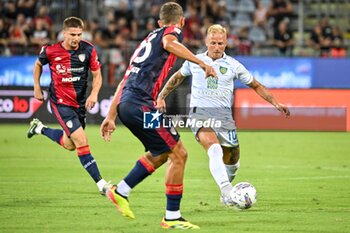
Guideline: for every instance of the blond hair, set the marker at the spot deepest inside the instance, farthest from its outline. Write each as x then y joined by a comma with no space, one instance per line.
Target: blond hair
170,12
216,28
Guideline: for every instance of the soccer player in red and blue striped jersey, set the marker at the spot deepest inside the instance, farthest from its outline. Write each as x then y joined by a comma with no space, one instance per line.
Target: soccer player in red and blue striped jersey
69,62
135,97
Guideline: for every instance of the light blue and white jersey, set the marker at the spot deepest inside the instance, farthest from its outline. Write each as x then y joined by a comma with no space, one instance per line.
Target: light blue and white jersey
215,92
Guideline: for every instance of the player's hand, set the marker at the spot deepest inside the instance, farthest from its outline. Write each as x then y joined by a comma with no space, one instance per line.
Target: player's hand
283,109
38,94
209,70
161,105
107,128
90,102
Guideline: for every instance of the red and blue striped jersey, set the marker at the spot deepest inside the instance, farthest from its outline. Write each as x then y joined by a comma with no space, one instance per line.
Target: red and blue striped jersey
148,68
69,72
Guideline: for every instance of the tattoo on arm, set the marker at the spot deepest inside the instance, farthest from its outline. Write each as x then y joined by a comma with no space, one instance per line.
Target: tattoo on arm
262,91
266,94
173,82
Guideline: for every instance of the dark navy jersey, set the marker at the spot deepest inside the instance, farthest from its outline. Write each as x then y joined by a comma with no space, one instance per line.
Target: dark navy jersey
69,72
149,67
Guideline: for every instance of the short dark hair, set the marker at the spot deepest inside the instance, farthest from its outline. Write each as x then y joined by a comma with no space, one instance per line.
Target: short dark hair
170,12
73,22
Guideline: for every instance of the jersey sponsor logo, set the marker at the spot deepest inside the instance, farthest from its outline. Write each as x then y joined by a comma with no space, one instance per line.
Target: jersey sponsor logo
212,82
81,57
213,93
132,70
223,70
70,79
79,69
58,59
61,69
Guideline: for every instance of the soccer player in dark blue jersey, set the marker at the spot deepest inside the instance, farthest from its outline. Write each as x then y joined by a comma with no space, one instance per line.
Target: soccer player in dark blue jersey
69,62
135,97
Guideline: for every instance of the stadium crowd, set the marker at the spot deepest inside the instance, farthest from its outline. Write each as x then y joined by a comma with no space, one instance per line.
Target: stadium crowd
255,27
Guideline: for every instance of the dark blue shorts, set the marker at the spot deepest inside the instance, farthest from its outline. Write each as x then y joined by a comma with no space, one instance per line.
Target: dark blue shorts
69,118
155,137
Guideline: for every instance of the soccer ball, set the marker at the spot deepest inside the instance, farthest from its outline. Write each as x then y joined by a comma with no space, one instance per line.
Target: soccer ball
243,195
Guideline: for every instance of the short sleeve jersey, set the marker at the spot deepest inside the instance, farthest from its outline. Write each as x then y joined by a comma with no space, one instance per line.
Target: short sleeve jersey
69,72
216,92
149,67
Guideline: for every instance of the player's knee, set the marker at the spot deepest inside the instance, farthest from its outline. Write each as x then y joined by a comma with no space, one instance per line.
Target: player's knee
69,147
181,155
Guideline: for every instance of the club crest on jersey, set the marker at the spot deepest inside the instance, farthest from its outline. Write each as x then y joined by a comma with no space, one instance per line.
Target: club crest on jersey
81,57
223,70
69,124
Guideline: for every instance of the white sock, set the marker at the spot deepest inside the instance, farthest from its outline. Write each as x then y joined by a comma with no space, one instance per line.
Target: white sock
217,166
172,214
123,188
39,128
232,170
100,184
226,189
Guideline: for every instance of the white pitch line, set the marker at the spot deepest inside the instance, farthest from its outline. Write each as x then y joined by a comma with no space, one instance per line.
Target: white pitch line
315,177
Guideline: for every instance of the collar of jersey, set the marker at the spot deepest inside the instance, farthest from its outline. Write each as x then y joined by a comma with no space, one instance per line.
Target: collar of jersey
223,57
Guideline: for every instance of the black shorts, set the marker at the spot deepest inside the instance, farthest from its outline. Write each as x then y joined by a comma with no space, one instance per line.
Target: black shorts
69,118
157,139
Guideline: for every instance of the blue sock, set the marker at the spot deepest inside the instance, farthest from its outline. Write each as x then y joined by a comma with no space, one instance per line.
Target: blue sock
89,163
139,172
54,134
173,202
173,196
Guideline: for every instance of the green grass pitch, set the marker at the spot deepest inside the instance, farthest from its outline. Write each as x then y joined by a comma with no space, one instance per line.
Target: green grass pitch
302,180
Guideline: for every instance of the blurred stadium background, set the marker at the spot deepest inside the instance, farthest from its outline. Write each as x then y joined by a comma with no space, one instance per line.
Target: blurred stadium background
299,49
302,178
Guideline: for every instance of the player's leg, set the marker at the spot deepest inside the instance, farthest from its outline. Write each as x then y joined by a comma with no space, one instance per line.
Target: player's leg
174,180
229,142
174,189
72,121
63,115
231,160
131,116
78,137
209,140
37,127
144,167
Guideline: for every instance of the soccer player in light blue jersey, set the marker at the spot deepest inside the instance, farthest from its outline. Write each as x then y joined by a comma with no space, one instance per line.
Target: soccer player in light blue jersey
212,98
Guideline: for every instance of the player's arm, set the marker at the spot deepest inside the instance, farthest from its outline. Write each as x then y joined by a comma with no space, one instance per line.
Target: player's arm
108,125
96,86
37,71
174,81
262,91
172,45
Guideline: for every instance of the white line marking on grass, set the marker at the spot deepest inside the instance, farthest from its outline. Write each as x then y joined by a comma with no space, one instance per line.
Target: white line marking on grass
316,177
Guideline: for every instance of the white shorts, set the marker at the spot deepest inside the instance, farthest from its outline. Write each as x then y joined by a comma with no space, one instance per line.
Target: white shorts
218,119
